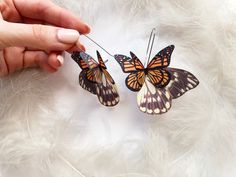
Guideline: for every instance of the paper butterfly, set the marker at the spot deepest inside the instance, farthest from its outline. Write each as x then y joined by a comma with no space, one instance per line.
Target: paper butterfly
95,78
156,85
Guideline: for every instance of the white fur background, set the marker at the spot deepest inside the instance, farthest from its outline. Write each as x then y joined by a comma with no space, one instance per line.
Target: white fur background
51,127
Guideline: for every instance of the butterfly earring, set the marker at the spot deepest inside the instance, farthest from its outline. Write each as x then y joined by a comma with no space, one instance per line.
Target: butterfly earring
95,78
156,84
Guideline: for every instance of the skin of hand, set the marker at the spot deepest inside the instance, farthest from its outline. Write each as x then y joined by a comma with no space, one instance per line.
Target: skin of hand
34,33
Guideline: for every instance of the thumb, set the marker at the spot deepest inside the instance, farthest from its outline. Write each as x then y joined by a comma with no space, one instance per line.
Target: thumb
36,36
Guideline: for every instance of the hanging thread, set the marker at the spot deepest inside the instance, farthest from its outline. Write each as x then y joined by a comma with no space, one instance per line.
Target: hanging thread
150,46
99,45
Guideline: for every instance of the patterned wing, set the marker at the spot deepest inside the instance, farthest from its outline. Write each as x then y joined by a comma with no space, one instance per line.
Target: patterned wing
159,78
152,100
77,58
137,63
128,64
91,63
85,83
181,82
87,77
106,90
135,81
100,60
162,59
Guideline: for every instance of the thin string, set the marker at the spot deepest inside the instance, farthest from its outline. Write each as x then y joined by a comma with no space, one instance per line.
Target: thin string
150,45
99,45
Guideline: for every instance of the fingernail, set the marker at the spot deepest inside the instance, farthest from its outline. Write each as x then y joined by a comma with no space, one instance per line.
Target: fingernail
60,60
83,48
88,29
67,35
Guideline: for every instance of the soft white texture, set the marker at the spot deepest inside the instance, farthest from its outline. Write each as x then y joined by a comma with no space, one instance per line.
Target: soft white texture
51,127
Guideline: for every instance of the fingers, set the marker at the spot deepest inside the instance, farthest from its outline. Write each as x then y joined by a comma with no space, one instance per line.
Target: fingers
13,59
51,13
48,62
43,37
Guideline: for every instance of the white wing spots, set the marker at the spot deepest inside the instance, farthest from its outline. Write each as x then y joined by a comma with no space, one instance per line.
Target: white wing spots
152,100
181,82
176,74
190,86
107,92
191,81
157,111
168,105
168,95
164,110
104,82
150,86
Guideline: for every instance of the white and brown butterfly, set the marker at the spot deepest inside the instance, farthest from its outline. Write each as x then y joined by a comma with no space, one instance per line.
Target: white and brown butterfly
157,84
150,82
95,78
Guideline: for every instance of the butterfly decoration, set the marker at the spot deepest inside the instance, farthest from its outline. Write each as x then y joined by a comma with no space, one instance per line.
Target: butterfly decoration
95,78
156,84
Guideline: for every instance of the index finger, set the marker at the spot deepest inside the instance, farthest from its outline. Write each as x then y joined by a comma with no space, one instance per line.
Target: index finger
48,12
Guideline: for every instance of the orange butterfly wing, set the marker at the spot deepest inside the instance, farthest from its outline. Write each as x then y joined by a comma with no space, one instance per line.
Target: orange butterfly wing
128,64
162,59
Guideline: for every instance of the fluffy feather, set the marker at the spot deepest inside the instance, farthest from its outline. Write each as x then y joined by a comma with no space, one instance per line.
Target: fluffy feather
49,126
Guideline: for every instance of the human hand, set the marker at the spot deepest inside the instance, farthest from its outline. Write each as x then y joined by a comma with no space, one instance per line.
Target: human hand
35,33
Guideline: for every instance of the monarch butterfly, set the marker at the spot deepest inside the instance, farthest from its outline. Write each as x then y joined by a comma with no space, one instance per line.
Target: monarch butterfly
95,78
157,84
155,71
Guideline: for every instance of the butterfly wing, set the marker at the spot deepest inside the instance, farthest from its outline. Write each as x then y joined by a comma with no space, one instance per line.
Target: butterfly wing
152,100
159,78
91,63
128,64
135,81
134,66
85,83
162,59
77,58
86,76
106,89
137,63
100,60
181,82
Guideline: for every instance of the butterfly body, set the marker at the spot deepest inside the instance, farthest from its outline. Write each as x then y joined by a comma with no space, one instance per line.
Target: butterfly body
95,78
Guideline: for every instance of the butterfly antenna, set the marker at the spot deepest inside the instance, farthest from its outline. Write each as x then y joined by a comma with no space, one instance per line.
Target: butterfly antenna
150,45
99,46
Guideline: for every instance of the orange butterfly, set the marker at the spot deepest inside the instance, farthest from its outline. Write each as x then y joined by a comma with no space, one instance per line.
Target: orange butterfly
154,71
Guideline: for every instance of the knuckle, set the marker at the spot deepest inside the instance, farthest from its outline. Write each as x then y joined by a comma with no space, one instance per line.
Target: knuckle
38,32
4,70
